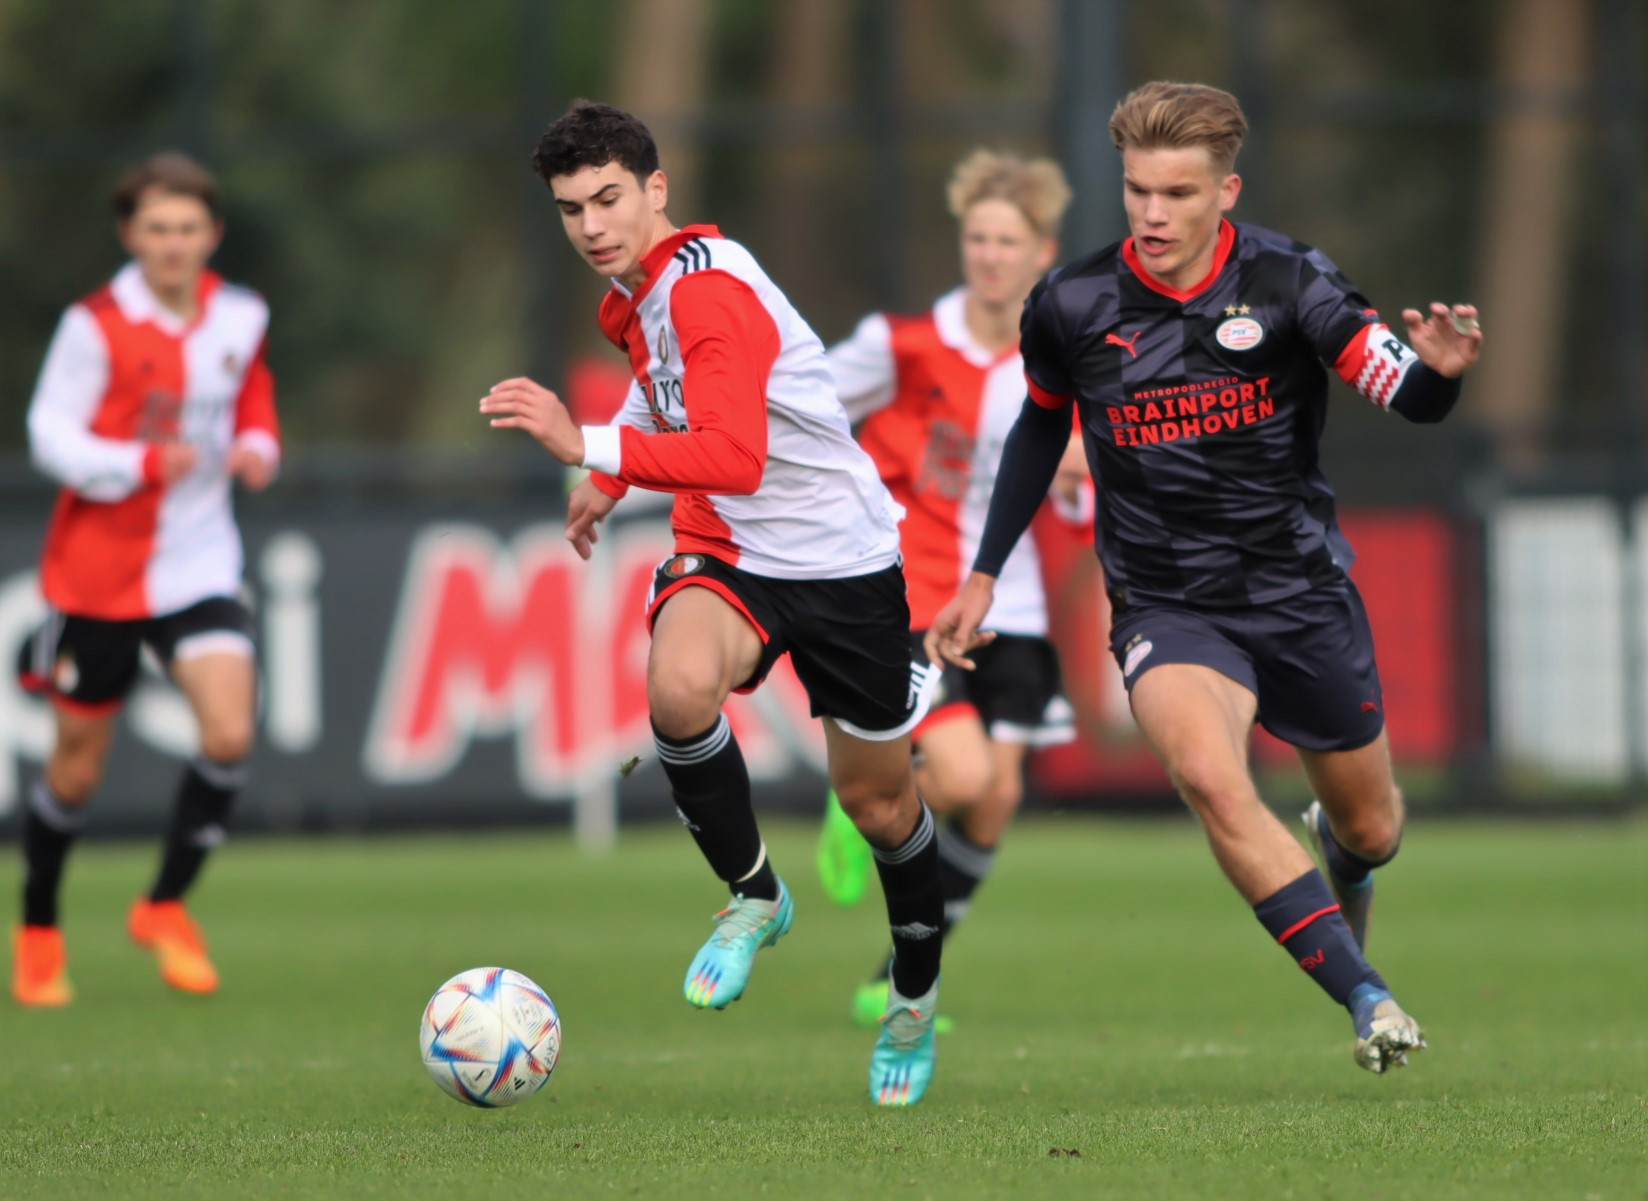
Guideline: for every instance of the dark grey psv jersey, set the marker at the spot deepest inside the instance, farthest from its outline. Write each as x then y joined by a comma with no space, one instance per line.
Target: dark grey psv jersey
1202,411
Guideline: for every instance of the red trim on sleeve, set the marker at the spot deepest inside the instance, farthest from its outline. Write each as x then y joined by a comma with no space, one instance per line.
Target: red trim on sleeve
729,343
1046,399
1221,253
1354,357
151,465
603,482
1303,922
255,407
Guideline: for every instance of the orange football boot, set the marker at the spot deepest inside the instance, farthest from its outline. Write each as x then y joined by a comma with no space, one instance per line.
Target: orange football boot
166,928
40,967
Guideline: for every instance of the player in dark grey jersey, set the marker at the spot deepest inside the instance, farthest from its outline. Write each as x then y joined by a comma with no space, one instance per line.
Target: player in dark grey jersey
1197,353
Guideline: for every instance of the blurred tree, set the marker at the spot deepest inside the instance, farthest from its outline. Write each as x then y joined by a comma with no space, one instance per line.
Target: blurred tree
1527,228
662,76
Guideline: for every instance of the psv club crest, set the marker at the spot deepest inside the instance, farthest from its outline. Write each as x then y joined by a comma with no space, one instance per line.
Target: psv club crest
1239,332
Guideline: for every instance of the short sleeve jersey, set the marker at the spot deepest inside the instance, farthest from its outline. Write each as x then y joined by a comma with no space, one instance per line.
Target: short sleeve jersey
1202,411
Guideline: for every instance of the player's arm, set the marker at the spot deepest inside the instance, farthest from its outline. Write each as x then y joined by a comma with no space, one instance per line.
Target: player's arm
254,456
1421,381
866,374
729,343
633,412
66,398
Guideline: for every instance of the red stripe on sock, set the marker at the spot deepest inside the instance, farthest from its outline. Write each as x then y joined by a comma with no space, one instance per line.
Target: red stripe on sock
1303,922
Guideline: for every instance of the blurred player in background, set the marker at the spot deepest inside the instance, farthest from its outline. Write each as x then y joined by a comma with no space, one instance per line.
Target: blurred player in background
934,397
1194,353
153,398
786,541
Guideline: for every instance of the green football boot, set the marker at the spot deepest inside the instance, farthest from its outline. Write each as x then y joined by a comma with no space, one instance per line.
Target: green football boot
845,860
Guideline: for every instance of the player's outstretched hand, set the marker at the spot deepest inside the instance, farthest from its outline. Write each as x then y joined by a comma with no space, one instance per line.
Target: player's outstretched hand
955,630
251,468
1447,339
520,404
586,507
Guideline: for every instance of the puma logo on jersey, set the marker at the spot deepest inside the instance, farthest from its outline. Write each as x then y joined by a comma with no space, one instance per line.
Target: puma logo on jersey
1118,340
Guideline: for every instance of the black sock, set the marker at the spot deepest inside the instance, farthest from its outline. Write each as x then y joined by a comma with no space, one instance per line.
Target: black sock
49,830
712,794
204,797
915,907
1305,919
962,866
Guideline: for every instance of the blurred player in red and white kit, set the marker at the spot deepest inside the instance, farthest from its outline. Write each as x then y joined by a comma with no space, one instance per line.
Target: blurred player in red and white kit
934,396
786,542
153,398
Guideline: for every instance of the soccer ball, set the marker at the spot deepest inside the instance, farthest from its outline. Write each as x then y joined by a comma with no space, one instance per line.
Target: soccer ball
490,1037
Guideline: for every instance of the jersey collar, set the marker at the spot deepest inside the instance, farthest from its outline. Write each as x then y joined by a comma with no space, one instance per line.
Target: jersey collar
138,303
1221,252
950,321
656,259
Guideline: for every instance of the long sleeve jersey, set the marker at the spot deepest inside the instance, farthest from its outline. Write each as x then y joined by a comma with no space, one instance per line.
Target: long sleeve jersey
733,409
122,377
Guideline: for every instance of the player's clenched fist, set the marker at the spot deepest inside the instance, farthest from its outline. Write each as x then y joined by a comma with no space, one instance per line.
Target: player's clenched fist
955,630
520,404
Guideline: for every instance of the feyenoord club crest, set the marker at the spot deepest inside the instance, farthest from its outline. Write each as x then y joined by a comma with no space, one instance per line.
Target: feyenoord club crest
663,345
682,565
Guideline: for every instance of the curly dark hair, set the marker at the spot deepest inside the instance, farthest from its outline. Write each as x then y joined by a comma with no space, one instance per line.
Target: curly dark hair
593,135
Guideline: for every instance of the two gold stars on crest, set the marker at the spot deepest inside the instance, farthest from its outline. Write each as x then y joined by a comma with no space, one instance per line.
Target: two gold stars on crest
1233,310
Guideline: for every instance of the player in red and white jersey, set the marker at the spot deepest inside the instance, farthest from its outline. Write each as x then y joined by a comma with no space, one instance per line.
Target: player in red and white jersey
786,542
936,395
154,396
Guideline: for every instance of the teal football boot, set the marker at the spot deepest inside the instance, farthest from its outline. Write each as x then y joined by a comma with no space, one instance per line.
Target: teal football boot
721,968
901,1066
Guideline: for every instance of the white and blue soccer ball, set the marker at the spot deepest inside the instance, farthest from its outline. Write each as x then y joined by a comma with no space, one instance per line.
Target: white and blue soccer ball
490,1037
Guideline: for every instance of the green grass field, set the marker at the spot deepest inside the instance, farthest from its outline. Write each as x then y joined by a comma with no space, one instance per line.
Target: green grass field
1112,997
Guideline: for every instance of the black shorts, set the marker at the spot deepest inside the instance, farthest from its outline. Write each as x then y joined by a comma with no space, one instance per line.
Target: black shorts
91,664
1015,689
1308,658
848,639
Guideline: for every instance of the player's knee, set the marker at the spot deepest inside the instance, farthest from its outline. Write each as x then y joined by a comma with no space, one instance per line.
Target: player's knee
955,790
1007,794
876,806
226,741
73,778
1217,793
683,702
1372,833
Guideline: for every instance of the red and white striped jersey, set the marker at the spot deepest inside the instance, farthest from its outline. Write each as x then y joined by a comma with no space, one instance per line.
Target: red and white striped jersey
124,375
734,410
935,409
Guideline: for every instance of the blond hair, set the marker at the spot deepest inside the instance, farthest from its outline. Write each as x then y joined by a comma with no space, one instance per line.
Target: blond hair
1172,116
1037,188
